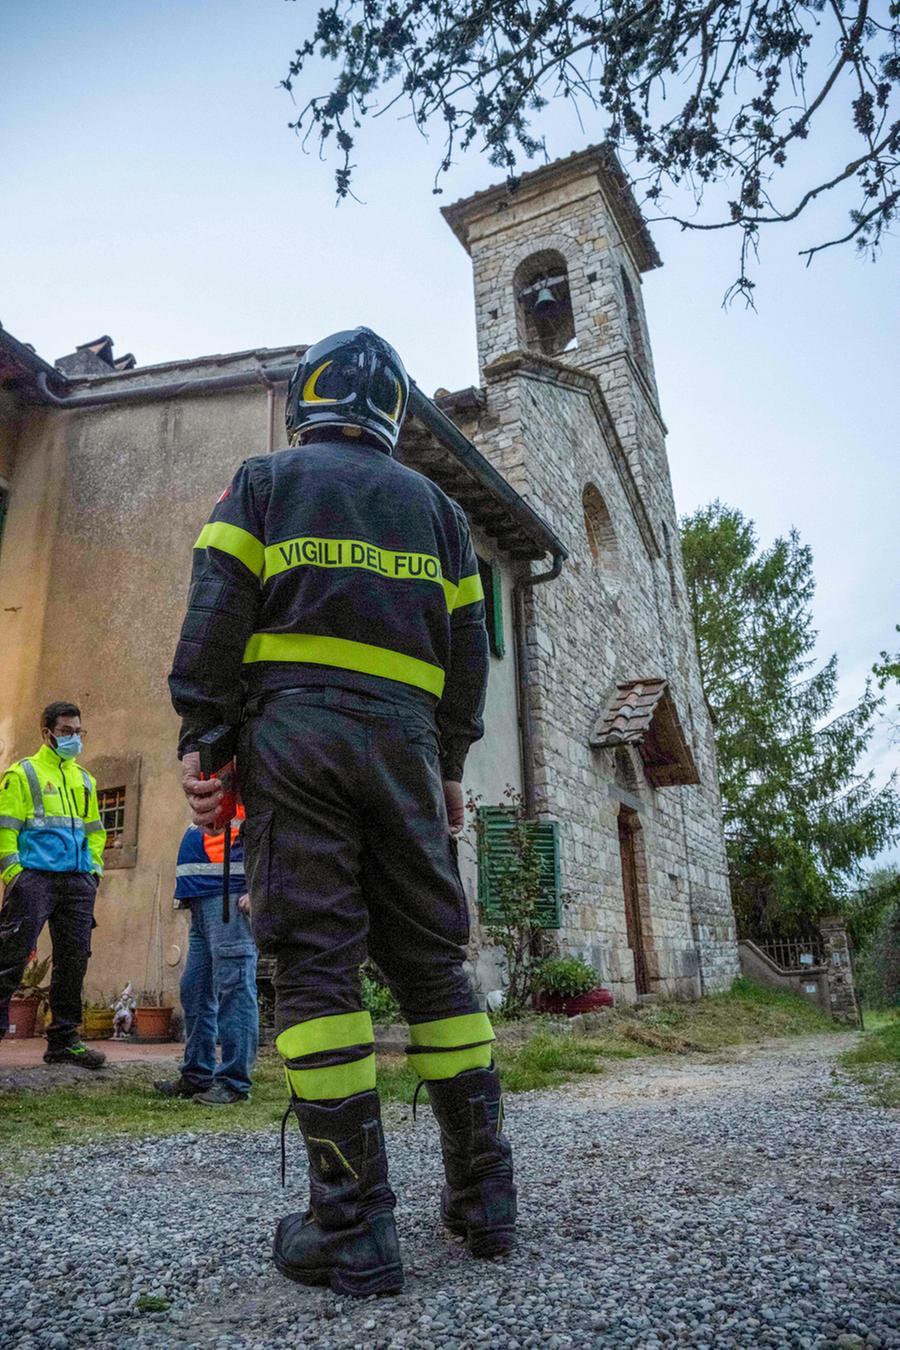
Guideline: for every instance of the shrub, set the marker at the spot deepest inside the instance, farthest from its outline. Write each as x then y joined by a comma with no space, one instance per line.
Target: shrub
567,976
879,972
377,999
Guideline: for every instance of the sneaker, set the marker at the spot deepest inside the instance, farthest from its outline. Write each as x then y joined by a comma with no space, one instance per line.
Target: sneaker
220,1095
177,1087
76,1054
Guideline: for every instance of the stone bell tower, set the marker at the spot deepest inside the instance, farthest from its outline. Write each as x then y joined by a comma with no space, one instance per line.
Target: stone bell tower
557,265
624,755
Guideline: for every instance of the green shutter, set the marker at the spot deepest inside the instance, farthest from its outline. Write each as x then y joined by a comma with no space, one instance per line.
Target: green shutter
492,585
496,852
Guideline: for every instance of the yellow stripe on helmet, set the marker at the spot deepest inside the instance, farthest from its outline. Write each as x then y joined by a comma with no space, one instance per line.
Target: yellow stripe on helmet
309,394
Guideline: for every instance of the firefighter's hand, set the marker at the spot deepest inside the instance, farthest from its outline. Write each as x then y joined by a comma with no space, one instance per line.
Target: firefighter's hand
456,807
244,904
204,795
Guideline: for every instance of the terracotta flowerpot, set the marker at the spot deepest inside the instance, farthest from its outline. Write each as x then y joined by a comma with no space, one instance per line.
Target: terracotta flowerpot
22,1017
97,1024
577,1003
152,1024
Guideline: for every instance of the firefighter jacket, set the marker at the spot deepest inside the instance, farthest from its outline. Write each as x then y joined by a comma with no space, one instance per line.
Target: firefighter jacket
49,817
333,563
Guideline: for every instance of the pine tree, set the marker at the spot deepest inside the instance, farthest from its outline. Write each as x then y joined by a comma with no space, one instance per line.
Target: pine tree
801,817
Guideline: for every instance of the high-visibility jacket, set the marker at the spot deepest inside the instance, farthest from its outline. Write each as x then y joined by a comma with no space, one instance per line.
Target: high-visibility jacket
333,563
49,817
200,868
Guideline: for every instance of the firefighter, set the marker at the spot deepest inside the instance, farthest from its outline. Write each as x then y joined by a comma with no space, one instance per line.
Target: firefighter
336,613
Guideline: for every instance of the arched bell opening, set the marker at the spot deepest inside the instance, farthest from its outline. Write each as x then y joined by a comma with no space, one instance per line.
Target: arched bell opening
544,304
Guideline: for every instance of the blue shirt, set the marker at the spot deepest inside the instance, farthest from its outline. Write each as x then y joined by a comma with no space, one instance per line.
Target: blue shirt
198,873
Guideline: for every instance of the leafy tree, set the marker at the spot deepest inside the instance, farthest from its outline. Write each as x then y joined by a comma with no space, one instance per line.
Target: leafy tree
878,971
800,816
866,908
887,669
714,97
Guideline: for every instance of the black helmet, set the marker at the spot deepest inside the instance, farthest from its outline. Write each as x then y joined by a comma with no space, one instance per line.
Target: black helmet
351,379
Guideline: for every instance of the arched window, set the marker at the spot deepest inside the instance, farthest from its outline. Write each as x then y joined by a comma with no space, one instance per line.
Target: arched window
543,303
601,536
632,314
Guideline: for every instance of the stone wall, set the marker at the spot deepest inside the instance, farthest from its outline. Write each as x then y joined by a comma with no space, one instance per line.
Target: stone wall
839,971
554,427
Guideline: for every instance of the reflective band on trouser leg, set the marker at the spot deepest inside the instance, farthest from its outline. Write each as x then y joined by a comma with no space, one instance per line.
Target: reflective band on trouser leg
449,1046
329,1058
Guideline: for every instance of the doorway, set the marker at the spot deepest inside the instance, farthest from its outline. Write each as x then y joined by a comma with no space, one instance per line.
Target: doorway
629,825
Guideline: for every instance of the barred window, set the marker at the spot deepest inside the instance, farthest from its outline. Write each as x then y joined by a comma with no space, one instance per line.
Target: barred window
111,802
118,797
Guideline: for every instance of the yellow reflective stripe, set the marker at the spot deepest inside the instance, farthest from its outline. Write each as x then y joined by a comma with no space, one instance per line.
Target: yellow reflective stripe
325,1033
345,655
339,1080
312,551
241,544
309,394
469,590
431,1064
451,1031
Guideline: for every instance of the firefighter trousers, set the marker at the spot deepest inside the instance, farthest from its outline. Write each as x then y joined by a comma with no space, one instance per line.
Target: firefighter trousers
347,854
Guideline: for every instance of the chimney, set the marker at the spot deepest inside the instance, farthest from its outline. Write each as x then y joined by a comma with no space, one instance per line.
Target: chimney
94,358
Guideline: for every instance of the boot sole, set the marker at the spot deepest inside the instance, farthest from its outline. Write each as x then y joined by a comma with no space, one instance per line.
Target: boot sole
483,1243
89,1068
384,1280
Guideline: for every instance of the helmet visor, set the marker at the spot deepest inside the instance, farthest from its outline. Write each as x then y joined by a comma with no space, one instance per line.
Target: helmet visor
332,381
385,390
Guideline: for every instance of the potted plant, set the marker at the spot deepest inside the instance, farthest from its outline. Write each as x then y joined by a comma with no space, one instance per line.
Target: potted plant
152,1016
97,1020
29,999
566,984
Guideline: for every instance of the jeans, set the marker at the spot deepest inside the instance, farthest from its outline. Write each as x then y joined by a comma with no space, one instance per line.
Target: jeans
218,994
65,900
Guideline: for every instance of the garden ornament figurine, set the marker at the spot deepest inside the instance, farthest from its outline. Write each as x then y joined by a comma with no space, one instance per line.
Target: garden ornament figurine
123,1014
350,758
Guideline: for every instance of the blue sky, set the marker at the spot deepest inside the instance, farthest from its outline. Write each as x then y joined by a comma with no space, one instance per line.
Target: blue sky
150,189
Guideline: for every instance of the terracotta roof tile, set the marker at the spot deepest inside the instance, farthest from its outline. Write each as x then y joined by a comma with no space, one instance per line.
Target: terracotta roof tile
643,713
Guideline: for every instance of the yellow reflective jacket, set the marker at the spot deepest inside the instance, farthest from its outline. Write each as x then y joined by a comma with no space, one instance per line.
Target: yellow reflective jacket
49,817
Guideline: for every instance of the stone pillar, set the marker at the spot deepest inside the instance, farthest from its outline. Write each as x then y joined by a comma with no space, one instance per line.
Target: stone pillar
839,971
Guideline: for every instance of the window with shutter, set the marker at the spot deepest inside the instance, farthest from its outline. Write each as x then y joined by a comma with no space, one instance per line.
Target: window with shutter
497,854
493,604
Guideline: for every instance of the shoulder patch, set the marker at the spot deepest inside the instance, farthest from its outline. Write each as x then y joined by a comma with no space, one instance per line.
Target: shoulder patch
225,495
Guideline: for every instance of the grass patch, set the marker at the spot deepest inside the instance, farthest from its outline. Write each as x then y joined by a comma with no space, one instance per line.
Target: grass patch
33,1122
152,1303
875,1060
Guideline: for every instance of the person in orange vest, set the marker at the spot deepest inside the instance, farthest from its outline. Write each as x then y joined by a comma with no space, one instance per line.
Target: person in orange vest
218,987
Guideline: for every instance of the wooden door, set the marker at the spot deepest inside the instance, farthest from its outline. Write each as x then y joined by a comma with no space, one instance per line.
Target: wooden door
632,903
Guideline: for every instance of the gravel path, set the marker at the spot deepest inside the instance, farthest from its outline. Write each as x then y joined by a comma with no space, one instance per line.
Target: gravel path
733,1200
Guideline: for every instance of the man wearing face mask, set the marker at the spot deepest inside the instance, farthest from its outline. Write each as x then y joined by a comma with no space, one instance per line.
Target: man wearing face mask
51,862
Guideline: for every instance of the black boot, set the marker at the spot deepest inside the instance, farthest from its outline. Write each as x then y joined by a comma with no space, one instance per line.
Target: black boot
479,1200
347,1238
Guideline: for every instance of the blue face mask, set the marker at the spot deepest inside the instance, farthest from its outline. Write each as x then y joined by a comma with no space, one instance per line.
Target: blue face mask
67,747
